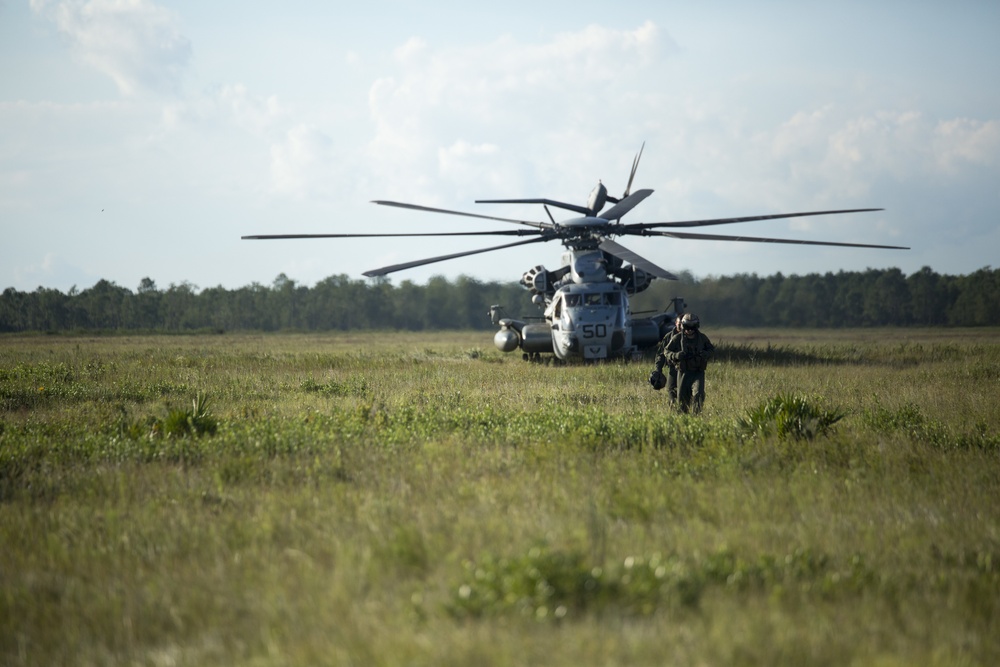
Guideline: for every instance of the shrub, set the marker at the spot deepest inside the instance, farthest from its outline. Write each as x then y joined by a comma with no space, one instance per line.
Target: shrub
547,584
194,421
550,584
788,416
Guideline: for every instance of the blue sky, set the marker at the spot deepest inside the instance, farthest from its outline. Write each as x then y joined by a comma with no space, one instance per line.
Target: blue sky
144,138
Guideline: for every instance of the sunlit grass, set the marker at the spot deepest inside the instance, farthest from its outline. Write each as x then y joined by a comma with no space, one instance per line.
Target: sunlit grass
422,499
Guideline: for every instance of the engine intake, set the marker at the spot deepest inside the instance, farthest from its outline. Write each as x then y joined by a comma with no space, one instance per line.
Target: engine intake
536,279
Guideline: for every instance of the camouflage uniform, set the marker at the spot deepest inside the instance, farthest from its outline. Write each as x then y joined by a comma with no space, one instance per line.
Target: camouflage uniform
691,355
662,361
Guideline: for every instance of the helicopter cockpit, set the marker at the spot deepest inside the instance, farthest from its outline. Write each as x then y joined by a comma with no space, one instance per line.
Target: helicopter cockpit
589,320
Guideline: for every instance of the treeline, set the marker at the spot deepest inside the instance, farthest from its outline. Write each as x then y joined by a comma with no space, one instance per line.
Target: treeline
335,303
876,297
843,299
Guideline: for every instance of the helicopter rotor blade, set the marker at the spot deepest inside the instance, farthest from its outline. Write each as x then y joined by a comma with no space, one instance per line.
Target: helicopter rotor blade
726,221
431,260
625,205
758,239
502,232
417,207
631,177
582,210
635,165
623,253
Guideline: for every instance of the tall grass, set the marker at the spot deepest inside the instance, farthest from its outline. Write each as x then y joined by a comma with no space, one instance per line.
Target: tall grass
415,499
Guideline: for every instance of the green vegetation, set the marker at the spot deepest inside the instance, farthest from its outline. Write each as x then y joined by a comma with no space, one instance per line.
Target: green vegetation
789,416
386,499
876,297
871,298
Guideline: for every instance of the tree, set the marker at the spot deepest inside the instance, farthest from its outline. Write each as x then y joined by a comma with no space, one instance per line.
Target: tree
103,304
887,299
928,298
977,303
178,306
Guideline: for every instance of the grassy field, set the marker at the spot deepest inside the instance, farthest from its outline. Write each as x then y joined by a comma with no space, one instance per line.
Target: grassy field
421,499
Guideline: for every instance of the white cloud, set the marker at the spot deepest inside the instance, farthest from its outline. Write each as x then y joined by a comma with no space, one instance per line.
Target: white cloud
836,156
52,269
231,104
135,42
253,113
411,51
964,141
535,102
303,164
459,159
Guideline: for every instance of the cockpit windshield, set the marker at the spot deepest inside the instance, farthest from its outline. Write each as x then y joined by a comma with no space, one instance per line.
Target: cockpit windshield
593,299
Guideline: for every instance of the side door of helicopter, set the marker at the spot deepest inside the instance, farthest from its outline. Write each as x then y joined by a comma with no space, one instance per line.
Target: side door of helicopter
564,342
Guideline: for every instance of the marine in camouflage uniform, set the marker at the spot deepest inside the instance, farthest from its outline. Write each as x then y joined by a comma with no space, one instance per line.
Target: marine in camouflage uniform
671,366
690,351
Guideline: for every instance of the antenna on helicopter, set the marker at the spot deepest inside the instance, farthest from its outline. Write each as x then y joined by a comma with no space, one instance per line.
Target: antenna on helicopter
631,176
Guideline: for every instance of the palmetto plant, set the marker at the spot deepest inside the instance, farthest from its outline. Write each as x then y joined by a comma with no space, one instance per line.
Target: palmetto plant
788,416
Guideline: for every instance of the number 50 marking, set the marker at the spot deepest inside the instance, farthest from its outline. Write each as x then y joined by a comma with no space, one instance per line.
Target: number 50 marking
595,330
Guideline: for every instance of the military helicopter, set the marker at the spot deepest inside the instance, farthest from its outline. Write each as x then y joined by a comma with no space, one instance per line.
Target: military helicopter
585,302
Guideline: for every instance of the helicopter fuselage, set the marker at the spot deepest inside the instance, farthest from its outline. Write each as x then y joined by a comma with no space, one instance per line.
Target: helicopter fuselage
586,308
589,321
